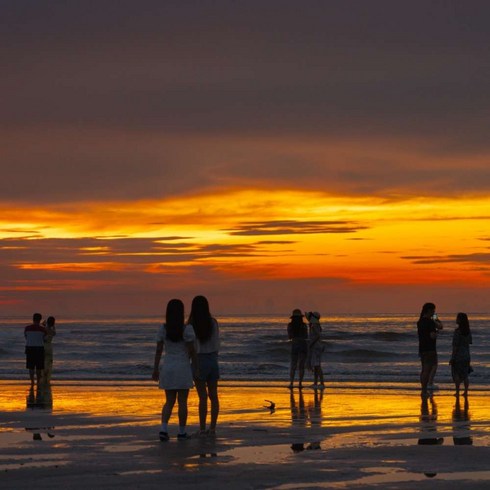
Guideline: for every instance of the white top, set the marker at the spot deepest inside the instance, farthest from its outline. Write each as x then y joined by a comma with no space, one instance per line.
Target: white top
175,370
34,335
212,344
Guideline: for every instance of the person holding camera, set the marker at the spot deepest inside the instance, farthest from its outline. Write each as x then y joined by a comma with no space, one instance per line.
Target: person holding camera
428,327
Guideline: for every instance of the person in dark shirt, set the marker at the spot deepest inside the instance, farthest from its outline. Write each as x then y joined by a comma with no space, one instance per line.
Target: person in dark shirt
427,328
298,335
34,350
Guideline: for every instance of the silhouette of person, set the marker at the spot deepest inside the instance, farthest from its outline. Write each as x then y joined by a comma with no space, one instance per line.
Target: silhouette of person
207,346
427,329
48,348
298,335
460,356
175,374
315,349
34,335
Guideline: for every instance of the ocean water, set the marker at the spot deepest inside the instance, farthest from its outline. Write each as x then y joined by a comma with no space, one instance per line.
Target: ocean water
359,349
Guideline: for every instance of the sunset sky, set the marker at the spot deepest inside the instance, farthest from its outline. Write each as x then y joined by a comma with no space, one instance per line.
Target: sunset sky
271,155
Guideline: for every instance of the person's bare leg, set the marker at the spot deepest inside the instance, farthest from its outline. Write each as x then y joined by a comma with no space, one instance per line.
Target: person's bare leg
292,372
301,371
214,400
203,403
466,386
432,375
170,397
320,376
182,396
424,377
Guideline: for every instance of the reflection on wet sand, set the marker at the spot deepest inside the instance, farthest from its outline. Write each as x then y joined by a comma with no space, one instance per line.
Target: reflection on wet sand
309,414
306,415
41,399
428,423
461,423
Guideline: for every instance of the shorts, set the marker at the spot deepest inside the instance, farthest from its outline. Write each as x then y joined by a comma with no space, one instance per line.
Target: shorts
35,357
429,358
299,350
208,367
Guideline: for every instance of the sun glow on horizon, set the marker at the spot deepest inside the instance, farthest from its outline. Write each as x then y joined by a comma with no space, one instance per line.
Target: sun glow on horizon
251,234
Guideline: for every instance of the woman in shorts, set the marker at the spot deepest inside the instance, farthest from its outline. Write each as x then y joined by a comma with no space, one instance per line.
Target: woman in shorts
207,347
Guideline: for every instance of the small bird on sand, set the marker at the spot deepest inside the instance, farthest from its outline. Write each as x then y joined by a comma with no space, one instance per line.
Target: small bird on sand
271,406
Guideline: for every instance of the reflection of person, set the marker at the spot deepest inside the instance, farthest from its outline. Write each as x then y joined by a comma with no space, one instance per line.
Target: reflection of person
315,349
428,419
427,328
43,399
175,374
34,335
461,424
460,357
48,348
298,334
298,410
207,347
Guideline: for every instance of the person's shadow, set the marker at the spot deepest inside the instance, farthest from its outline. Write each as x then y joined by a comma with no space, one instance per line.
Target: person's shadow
461,424
428,423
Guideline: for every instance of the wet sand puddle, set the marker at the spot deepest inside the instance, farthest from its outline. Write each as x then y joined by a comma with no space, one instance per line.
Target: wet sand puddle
378,476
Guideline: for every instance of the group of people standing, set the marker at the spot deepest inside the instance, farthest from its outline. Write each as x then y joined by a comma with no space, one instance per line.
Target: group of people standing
428,328
306,347
39,348
191,349
190,358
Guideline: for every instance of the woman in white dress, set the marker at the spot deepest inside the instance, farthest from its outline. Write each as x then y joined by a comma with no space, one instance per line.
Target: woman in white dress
207,347
175,373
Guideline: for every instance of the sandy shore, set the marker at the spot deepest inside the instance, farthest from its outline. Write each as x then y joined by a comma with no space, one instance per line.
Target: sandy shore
82,435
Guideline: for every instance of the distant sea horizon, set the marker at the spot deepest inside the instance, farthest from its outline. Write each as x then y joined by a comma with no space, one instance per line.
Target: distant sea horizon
359,348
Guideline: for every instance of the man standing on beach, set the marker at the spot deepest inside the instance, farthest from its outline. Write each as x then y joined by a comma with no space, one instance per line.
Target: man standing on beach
34,335
427,328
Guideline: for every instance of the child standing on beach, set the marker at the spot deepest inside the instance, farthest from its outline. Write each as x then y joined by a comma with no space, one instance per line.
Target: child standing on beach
315,349
175,374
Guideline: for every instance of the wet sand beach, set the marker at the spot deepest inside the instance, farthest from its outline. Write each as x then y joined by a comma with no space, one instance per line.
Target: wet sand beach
98,435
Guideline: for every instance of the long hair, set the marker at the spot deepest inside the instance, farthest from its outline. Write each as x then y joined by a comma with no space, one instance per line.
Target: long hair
427,307
50,321
200,318
174,320
463,323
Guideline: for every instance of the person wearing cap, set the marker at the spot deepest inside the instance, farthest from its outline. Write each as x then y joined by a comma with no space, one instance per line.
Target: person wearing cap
315,349
298,335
